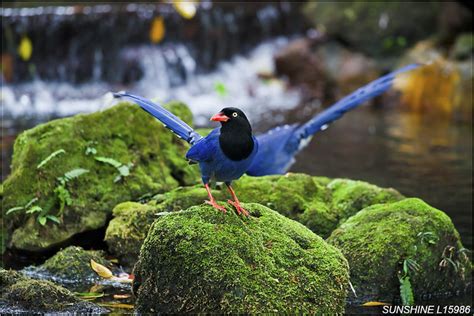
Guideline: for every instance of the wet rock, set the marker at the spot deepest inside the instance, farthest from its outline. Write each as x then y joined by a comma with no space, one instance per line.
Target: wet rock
21,294
317,202
124,133
73,263
347,69
377,240
303,68
375,28
200,260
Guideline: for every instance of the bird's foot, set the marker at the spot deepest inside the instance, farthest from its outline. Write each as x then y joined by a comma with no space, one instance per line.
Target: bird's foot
216,206
238,208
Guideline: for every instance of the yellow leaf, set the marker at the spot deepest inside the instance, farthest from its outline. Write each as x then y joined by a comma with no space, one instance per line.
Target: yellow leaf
117,305
157,30
370,304
187,9
102,271
25,49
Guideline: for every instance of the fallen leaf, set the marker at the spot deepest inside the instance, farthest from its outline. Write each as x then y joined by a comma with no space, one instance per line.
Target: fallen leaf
25,49
96,288
101,270
117,305
121,296
89,295
370,304
187,9
157,30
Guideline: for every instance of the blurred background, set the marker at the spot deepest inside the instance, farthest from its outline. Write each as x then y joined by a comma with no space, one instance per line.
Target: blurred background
279,62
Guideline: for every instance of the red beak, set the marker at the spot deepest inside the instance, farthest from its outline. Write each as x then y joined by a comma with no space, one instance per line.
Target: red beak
220,117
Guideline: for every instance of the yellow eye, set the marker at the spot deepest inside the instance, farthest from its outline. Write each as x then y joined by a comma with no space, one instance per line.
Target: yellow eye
234,114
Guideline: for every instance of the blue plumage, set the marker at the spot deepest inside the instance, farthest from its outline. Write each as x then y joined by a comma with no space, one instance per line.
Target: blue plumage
230,151
279,146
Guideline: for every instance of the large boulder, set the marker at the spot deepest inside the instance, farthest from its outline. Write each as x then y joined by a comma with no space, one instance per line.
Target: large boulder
138,156
379,240
317,202
201,260
24,295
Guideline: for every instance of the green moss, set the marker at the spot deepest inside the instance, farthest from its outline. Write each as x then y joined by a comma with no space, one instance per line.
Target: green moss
349,197
201,260
379,238
317,202
124,133
10,277
127,230
74,263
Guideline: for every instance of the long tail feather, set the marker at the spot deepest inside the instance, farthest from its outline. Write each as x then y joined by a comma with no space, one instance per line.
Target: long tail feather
278,147
169,120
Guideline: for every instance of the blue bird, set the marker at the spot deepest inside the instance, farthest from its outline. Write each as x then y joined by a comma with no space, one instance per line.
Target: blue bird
231,150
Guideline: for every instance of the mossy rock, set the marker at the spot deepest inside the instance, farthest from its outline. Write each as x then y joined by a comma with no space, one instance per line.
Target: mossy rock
21,294
350,196
73,263
201,260
131,220
377,240
317,202
124,133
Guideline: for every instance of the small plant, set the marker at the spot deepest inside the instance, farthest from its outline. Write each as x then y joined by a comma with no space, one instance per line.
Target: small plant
30,208
47,159
428,238
123,169
90,149
24,207
61,190
410,266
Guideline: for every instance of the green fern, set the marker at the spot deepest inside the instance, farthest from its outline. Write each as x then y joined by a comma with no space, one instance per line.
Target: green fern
406,291
47,159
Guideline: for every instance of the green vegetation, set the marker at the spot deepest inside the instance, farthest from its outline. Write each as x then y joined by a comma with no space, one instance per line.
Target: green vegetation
317,202
395,247
84,203
200,260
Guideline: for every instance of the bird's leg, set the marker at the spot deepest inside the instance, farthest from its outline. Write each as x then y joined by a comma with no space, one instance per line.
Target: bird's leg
235,202
212,201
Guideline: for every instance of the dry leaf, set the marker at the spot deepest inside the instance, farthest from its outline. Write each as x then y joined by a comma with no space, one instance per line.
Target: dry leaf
25,49
101,270
121,296
117,305
157,30
370,304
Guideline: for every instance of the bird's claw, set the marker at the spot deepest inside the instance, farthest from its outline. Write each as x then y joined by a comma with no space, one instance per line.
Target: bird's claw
216,206
238,208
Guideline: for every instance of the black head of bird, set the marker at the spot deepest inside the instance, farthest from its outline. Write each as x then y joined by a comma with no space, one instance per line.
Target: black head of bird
236,139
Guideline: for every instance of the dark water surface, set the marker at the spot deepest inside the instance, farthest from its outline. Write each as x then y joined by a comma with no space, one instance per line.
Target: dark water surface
425,157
